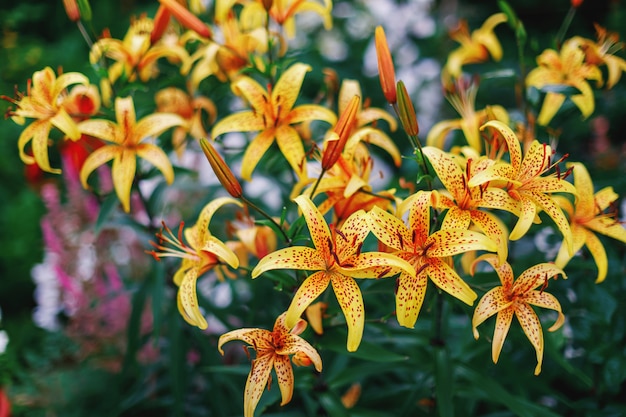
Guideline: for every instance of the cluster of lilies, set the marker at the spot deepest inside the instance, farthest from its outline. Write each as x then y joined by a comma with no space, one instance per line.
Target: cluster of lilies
439,233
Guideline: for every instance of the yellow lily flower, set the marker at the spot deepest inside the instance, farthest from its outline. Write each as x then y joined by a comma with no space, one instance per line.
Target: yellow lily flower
273,350
566,67
603,52
135,55
283,12
475,48
462,96
516,298
587,217
192,109
337,258
428,253
464,202
525,183
44,101
126,144
273,113
201,253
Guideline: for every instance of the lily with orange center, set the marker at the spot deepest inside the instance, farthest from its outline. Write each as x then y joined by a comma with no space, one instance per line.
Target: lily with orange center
475,47
200,254
273,350
464,202
603,52
462,96
515,297
524,181
589,216
43,102
337,260
429,254
254,13
135,55
125,143
273,114
566,67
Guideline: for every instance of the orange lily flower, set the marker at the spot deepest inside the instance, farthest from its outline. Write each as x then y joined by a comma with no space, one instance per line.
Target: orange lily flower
566,67
126,144
135,55
464,202
282,12
587,217
44,101
337,258
516,298
192,109
428,253
273,113
475,48
525,183
201,253
462,96
273,350
603,52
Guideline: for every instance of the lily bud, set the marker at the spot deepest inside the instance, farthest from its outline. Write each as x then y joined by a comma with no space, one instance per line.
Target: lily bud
72,10
85,10
161,20
576,3
386,71
222,171
341,133
406,111
186,18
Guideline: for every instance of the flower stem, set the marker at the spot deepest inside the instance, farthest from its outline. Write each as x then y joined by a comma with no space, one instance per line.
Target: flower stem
268,217
564,26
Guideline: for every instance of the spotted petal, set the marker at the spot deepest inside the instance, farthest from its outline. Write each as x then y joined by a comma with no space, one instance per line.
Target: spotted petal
309,290
295,257
492,302
320,234
351,301
188,300
257,381
532,328
410,297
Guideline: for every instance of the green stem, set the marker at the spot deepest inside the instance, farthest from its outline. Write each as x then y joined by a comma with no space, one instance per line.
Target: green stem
565,25
268,217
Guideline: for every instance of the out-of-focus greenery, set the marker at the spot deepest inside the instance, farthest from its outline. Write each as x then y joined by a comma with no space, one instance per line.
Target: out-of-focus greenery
395,367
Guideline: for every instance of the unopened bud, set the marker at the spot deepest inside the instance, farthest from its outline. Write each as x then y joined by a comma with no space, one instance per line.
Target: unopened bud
85,10
406,111
222,171
386,71
576,3
161,20
186,18
72,10
341,133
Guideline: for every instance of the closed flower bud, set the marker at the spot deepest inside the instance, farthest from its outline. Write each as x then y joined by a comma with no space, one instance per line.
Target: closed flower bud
341,133
161,20
72,10
186,18
406,111
386,71
222,171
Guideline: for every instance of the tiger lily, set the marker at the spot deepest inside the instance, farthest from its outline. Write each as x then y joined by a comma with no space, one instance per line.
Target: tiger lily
273,350
568,68
272,114
464,202
587,217
44,101
525,183
337,260
516,298
475,48
135,55
126,144
428,253
603,52
200,253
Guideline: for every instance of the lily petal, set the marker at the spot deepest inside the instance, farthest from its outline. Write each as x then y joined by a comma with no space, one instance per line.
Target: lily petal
123,173
284,373
188,300
256,382
255,151
157,157
308,291
448,280
349,297
295,257
320,234
532,328
494,301
410,297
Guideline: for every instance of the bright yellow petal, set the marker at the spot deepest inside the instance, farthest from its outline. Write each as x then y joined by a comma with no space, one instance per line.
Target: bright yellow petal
256,382
188,300
155,124
503,324
309,290
246,121
65,124
103,129
205,216
493,228
290,144
535,276
260,338
491,303
219,248
579,235
450,242
607,226
437,134
545,300
525,220
409,298
295,257
585,101
284,374
67,79
388,229
599,255
548,205
306,112
585,204
287,89
448,171
353,232
551,105
486,37
318,229
39,131
255,151
513,143
157,157
98,158
349,297
532,328
293,344
123,173
504,271
448,280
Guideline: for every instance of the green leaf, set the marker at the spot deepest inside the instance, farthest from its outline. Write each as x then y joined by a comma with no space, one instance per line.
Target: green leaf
109,203
333,405
335,340
444,382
